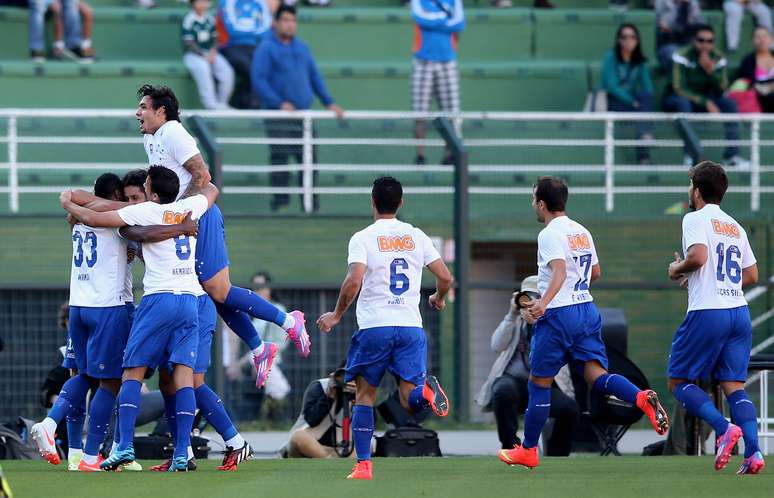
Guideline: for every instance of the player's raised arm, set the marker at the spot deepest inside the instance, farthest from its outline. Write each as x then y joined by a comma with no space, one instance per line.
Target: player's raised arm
108,219
157,233
349,290
211,192
200,176
443,283
91,201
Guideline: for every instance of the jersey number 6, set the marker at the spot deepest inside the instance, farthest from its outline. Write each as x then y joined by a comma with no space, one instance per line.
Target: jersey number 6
399,282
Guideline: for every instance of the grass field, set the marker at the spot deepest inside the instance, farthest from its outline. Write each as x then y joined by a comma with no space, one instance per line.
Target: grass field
444,477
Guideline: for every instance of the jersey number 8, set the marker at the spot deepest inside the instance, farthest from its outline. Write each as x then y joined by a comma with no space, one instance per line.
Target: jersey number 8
183,247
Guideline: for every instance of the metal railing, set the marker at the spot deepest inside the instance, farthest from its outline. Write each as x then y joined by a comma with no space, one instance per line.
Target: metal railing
606,140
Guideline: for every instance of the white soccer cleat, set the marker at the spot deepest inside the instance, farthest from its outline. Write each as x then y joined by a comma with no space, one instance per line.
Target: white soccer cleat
45,443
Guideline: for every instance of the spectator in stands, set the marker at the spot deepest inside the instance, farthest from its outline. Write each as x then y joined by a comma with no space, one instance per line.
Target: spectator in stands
699,78
626,79
202,59
438,24
59,51
675,22
758,68
73,42
505,390
285,76
734,10
242,24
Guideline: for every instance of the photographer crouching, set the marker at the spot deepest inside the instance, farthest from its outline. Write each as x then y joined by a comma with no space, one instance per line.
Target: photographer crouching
323,428
505,390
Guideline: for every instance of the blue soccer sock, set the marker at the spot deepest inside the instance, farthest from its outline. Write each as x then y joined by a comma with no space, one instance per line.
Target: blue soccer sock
362,430
743,415
537,413
417,401
73,393
75,418
617,385
169,414
99,419
214,411
185,407
128,407
697,403
240,323
254,305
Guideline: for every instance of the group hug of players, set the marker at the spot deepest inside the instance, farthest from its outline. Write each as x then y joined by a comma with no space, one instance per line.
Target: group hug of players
170,213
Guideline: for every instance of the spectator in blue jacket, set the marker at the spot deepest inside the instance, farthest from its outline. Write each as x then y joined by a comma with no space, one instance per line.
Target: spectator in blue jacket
437,27
242,24
285,76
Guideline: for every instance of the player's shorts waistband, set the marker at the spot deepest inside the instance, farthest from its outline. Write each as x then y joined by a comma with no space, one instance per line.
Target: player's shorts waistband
175,292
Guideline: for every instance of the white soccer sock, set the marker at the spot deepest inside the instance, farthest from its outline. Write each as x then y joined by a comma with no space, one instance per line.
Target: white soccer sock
59,44
50,425
236,441
289,323
259,350
89,459
190,453
73,452
86,43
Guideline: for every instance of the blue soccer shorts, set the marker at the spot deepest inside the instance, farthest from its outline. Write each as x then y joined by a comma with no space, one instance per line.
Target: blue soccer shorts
712,344
207,319
165,329
400,350
569,334
211,250
98,337
130,309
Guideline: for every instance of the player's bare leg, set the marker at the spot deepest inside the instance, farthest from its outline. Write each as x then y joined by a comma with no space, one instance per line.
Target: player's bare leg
363,428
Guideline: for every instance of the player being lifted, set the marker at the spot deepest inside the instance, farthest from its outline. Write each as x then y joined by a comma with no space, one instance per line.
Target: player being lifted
568,325
385,265
715,338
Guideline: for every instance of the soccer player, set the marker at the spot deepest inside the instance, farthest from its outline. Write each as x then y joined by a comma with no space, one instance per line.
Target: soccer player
716,335
385,265
165,329
568,325
168,144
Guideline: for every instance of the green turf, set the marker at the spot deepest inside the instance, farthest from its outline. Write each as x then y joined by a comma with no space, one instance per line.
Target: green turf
444,477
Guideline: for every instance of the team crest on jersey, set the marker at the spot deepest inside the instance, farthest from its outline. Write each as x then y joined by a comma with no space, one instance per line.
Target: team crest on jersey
396,243
172,218
579,241
726,228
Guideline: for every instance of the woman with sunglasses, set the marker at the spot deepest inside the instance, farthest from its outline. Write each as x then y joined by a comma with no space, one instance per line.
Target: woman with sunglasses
626,79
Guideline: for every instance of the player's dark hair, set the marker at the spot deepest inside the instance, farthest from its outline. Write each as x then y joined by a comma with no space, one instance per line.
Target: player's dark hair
135,178
161,96
108,184
711,180
164,183
387,194
552,191
284,8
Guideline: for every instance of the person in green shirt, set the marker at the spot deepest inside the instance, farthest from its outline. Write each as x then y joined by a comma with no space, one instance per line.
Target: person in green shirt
201,57
626,79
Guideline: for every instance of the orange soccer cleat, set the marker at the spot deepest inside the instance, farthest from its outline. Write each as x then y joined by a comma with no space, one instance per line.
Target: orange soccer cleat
647,401
363,470
519,455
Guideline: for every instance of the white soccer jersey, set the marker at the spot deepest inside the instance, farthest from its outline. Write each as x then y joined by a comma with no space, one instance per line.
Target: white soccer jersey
171,146
718,283
394,254
98,267
566,239
169,264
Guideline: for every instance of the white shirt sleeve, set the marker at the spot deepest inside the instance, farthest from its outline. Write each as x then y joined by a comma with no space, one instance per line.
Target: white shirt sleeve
694,231
137,214
197,204
430,253
550,246
180,145
357,250
748,258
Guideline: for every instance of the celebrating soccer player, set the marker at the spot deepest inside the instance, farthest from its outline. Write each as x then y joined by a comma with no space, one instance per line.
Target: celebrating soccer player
715,338
568,324
385,265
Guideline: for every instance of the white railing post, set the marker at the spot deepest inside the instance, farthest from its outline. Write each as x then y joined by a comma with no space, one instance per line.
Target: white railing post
609,160
764,411
13,173
308,174
755,164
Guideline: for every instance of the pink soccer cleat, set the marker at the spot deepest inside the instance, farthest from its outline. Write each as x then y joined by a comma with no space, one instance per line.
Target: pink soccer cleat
752,464
299,335
726,443
263,363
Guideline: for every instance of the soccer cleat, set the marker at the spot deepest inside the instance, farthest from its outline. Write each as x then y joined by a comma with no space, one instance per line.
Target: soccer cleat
117,459
263,362
132,467
726,444
519,455
362,470
45,443
178,464
73,461
90,467
234,457
299,335
752,464
434,395
647,401
164,467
